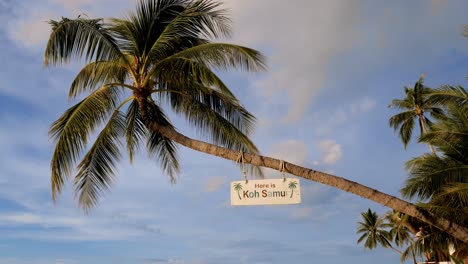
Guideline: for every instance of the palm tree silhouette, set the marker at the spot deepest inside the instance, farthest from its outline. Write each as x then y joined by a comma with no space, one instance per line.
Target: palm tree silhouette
238,187
292,185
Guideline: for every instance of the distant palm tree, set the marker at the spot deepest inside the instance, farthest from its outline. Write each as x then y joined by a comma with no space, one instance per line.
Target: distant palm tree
238,188
440,182
415,105
373,230
292,185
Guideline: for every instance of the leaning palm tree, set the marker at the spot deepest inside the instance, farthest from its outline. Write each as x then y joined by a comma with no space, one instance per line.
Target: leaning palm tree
415,106
160,57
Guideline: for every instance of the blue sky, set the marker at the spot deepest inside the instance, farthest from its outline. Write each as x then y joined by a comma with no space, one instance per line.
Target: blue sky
334,66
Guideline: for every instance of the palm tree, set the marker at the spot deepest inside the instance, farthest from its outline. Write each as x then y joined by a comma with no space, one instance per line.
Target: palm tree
372,230
415,105
440,182
292,185
238,188
162,55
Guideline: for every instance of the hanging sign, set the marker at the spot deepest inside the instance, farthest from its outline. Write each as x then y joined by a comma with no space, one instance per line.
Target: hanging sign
259,192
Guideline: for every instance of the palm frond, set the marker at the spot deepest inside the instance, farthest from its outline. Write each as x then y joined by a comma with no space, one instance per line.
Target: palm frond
73,38
162,148
225,56
226,122
404,121
71,131
449,95
185,73
197,19
96,170
429,172
96,74
136,130
401,104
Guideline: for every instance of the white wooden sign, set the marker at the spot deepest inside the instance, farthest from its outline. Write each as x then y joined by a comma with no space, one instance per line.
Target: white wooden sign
273,191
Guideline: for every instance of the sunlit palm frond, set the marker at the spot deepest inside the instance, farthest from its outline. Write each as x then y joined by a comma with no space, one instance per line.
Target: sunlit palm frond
226,122
451,202
184,73
96,74
429,172
225,56
97,169
72,129
197,19
74,38
455,142
449,95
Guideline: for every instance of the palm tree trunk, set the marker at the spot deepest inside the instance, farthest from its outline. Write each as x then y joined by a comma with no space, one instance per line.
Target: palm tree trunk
424,131
395,203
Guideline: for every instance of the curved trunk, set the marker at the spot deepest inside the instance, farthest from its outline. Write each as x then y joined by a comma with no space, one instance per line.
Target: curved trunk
395,203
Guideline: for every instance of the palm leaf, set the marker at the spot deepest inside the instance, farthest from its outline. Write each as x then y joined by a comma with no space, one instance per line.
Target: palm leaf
96,74
162,148
404,121
429,172
72,129
197,19
136,130
401,104
225,56
96,170
184,73
73,38
449,95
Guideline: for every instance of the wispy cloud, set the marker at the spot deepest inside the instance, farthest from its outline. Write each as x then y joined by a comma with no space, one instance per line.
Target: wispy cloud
214,184
332,151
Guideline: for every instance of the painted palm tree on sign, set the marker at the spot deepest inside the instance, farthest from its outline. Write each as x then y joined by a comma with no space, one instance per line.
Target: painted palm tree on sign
292,185
161,57
238,188
415,106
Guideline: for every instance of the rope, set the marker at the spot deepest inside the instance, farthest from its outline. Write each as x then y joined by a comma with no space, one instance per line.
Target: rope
241,159
282,169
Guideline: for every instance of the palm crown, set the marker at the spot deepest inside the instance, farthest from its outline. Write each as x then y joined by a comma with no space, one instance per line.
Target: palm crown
415,105
162,55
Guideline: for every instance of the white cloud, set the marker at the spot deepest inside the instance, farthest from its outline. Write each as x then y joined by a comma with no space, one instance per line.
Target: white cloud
293,151
363,105
303,38
33,30
301,213
35,219
214,184
332,151
334,118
